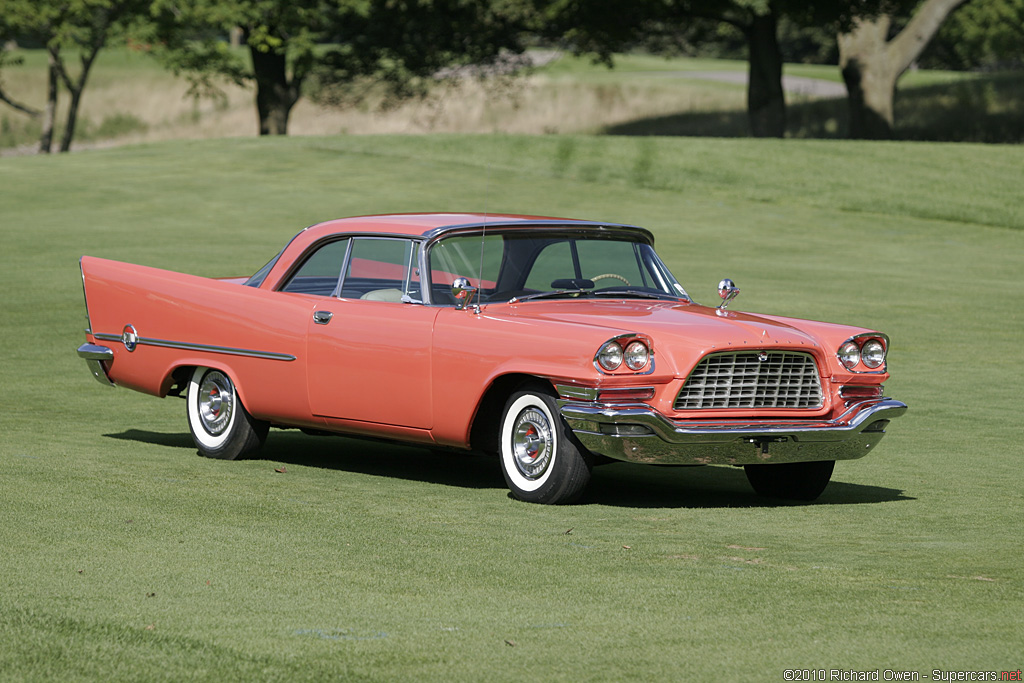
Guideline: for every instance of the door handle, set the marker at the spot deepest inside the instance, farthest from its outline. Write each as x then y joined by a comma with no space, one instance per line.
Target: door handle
322,317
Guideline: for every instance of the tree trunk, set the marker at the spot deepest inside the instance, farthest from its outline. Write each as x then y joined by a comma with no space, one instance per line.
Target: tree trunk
766,100
76,89
871,64
71,121
275,95
50,111
869,77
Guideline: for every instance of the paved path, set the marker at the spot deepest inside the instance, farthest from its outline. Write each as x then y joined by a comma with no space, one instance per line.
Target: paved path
799,85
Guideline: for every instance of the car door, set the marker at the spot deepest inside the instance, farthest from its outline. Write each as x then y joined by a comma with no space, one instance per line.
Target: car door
368,347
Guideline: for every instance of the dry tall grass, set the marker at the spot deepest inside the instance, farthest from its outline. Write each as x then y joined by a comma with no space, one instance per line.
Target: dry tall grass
160,107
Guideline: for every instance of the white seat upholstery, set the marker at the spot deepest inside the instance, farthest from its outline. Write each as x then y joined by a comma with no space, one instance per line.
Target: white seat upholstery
394,295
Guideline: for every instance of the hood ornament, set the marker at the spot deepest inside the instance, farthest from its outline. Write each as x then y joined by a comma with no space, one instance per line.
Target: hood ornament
728,290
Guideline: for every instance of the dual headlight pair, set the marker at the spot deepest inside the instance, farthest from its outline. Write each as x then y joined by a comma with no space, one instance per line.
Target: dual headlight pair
866,351
635,354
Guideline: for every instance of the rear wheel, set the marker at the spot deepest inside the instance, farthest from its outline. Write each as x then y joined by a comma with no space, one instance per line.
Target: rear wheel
220,425
794,480
540,459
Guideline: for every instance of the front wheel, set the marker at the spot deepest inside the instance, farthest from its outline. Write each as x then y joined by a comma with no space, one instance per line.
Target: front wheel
540,458
793,480
220,425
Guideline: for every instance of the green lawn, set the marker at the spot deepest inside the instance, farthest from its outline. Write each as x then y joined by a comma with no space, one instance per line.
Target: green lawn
125,556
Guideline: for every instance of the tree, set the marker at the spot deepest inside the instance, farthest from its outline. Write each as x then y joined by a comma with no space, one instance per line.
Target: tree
600,26
84,26
871,63
758,22
336,43
988,35
5,61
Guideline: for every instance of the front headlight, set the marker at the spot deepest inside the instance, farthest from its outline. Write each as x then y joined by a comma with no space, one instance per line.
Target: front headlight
610,356
872,354
849,355
636,355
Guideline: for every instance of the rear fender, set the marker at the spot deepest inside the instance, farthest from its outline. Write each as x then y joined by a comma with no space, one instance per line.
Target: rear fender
174,321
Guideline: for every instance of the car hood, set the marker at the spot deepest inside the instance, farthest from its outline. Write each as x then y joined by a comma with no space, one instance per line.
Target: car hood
685,331
691,323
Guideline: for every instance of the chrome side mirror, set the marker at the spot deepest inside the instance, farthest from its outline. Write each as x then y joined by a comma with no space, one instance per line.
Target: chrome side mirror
463,292
728,290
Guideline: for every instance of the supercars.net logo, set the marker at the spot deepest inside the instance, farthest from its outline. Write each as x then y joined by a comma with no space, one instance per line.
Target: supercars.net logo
897,675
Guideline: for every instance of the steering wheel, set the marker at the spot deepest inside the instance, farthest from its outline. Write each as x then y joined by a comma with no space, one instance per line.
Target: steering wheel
607,276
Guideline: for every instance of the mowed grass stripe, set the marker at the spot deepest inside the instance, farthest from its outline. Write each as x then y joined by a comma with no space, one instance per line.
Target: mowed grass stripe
366,560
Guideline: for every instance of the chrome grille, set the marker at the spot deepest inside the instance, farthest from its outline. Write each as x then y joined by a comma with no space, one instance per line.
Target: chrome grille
742,380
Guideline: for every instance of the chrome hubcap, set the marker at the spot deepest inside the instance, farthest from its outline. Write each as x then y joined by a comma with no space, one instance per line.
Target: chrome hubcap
216,401
532,443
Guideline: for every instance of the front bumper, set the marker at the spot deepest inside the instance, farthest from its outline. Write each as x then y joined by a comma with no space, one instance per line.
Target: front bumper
638,433
94,356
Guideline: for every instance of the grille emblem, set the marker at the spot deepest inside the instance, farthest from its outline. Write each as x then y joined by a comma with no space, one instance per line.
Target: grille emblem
762,356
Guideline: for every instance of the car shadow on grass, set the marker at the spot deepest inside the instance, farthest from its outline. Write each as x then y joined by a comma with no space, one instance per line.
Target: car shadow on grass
617,484
171,440
646,486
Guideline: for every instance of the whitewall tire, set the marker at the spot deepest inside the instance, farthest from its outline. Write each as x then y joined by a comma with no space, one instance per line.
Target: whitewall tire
540,459
220,425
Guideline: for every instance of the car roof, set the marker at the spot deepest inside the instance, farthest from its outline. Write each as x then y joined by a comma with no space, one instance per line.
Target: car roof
433,224
424,226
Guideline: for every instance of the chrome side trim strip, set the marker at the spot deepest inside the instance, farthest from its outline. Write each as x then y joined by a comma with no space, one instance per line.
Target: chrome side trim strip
579,393
188,346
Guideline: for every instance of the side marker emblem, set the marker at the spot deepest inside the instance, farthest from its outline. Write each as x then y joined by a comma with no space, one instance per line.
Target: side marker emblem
129,338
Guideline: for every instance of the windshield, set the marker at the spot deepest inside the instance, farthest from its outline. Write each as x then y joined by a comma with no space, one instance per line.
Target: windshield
524,265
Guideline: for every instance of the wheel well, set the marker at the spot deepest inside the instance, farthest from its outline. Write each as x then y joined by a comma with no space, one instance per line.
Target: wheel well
483,435
177,382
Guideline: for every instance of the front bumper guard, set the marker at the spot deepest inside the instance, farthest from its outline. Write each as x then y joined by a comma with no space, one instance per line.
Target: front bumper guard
638,433
94,356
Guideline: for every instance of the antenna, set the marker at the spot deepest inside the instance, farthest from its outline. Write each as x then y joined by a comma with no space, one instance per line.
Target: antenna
483,236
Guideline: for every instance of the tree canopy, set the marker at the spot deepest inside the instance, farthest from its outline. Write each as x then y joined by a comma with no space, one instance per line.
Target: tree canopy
336,43
62,26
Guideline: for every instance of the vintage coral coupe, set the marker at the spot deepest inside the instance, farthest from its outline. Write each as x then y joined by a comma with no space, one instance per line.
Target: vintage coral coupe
555,344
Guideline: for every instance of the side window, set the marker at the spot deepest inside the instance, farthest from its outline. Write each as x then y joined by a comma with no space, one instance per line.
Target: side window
319,273
475,257
382,269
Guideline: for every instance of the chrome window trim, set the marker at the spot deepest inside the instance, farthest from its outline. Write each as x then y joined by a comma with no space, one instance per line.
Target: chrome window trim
189,346
306,255
581,227
426,293
340,284
411,244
